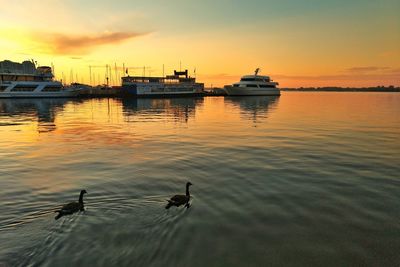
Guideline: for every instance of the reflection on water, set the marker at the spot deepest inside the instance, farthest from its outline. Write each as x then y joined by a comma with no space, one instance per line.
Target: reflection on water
254,107
180,108
44,110
288,181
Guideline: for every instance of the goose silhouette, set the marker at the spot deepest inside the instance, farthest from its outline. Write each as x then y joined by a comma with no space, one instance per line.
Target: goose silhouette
179,200
72,207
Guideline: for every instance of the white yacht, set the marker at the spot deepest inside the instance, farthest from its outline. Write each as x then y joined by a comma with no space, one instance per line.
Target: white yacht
22,80
253,85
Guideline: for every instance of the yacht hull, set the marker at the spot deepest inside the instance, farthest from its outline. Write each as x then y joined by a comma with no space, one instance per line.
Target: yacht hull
245,91
65,93
161,90
37,90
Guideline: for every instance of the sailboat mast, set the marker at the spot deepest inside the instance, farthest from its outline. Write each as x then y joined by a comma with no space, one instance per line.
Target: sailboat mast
90,74
116,74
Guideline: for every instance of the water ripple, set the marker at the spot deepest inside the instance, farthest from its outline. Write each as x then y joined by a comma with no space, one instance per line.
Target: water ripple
303,179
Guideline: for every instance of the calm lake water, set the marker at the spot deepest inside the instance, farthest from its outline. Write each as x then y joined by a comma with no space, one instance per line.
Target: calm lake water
306,179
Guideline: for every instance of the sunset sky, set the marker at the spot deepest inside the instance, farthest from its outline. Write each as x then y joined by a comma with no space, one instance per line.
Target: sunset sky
296,42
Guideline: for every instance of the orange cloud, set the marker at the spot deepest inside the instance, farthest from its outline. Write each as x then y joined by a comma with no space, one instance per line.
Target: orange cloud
63,44
368,69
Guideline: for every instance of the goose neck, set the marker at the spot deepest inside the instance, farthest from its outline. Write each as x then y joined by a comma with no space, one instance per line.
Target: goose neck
81,198
187,190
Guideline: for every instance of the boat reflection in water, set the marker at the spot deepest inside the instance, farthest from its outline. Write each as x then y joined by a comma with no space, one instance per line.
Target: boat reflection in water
254,107
178,109
21,111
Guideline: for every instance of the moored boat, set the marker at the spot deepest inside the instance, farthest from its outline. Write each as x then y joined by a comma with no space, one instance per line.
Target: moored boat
24,80
178,84
253,85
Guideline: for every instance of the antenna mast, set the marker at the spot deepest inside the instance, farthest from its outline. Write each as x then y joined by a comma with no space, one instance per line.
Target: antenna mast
90,74
116,74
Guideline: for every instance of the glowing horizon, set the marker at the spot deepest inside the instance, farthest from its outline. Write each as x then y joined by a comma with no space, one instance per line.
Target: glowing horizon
297,43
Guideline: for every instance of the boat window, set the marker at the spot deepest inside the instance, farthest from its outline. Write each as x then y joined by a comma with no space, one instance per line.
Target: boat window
157,89
51,89
23,88
154,80
254,80
3,87
267,86
8,78
251,85
24,78
177,89
137,80
26,85
236,85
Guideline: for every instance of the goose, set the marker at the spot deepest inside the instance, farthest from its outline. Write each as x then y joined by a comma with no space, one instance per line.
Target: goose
178,200
71,207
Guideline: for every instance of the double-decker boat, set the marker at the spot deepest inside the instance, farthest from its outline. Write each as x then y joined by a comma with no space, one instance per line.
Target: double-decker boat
179,84
23,80
253,85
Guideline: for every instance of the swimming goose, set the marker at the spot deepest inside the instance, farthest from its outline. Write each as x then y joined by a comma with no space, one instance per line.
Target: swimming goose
71,207
178,200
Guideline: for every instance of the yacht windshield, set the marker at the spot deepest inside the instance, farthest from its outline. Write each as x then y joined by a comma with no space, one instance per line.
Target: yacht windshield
254,80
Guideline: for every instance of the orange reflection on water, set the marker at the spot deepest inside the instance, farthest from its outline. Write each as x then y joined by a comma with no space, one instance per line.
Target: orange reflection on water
349,107
61,133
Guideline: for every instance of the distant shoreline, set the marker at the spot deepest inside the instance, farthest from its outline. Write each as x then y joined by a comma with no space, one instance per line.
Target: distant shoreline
341,89
390,89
